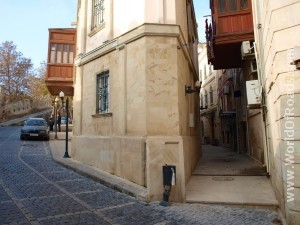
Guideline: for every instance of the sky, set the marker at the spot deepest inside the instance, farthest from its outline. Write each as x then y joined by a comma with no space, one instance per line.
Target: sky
26,23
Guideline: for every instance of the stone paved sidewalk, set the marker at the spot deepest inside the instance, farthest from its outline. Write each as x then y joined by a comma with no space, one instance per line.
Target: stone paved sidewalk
36,190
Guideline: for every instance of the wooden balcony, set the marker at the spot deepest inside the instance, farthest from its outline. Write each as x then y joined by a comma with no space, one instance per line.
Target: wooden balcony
60,64
232,24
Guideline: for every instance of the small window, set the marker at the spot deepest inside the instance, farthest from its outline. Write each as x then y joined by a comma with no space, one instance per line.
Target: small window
221,5
98,13
71,54
233,5
58,53
244,4
52,53
65,54
103,92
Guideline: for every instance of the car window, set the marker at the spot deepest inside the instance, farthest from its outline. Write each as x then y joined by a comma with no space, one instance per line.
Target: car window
35,123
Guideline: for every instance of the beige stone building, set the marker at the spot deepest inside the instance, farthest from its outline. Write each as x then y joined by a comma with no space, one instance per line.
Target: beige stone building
263,52
132,114
209,117
277,32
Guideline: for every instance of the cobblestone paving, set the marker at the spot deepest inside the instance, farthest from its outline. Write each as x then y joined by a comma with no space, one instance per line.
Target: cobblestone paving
36,190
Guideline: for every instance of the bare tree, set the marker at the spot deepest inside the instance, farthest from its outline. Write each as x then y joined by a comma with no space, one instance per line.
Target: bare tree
14,72
37,89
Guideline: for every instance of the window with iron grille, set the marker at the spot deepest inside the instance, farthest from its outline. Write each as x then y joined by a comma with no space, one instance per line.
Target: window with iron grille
98,13
103,92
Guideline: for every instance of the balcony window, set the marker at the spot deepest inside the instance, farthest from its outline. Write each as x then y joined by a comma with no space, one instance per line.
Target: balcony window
103,92
244,4
58,55
98,14
232,5
222,5
71,53
225,6
61,53
52,53
65,54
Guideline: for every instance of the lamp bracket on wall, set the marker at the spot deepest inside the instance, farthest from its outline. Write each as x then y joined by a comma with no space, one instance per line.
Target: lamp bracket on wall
190,90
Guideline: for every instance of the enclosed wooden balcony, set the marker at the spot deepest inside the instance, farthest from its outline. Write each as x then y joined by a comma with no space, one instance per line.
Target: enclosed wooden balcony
232,24
60,64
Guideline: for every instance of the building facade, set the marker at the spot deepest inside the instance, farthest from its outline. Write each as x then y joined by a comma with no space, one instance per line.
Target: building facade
264,61
209,117
134,110
277,31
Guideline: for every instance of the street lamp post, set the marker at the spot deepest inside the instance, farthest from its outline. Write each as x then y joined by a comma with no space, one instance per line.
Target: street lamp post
62,95
55,117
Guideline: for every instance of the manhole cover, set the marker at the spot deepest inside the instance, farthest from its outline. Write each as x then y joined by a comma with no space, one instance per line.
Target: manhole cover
222,178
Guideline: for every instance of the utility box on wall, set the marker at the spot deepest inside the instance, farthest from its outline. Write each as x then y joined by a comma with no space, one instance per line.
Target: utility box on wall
253,92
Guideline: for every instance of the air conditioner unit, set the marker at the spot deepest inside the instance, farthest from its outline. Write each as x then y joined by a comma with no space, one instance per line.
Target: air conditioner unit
247,51
253,67
246,47
253,92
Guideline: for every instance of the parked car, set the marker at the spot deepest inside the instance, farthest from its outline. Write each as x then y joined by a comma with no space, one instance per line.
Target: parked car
35,128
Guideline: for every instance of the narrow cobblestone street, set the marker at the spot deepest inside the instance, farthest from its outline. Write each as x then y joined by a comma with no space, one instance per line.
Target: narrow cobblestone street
36,190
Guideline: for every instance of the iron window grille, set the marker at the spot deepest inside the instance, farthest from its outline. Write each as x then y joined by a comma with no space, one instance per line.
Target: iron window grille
103,92
98,13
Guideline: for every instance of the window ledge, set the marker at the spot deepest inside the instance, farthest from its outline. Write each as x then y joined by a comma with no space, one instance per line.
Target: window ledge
93,32
102,115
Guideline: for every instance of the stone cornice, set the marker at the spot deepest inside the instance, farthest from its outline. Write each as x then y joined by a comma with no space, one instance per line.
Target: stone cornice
169,30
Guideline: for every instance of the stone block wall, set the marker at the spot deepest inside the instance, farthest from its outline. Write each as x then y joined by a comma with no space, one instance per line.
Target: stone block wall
276,38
